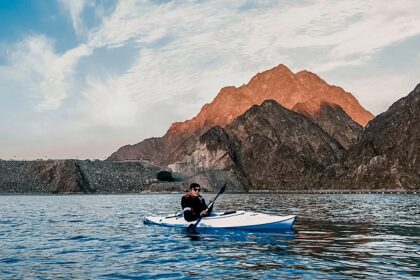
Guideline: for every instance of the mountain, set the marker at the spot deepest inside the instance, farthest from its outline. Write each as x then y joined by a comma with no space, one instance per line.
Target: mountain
387,156
268,147
271,147
301,91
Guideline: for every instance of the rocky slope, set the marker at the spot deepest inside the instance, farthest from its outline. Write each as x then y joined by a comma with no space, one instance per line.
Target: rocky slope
301,90
74,176
334,121
388,152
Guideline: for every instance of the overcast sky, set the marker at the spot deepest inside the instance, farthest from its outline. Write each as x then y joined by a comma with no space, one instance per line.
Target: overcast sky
79,79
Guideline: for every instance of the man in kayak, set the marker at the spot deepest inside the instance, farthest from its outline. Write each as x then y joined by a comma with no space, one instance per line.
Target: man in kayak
193,204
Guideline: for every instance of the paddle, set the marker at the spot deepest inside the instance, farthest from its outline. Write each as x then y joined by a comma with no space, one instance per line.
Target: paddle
192,227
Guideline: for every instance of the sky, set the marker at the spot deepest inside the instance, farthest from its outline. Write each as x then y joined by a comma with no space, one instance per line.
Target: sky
81,78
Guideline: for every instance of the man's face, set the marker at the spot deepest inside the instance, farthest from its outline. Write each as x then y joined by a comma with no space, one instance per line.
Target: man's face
195,192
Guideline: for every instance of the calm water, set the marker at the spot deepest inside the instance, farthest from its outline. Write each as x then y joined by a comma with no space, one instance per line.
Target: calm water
103,237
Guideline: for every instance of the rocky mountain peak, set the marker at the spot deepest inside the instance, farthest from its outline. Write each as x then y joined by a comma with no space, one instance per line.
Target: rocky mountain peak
279,84
280,72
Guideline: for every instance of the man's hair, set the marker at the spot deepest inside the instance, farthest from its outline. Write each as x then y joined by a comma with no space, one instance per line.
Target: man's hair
194,185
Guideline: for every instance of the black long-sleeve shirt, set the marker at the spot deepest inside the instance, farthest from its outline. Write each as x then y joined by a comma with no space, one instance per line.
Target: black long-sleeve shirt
192,206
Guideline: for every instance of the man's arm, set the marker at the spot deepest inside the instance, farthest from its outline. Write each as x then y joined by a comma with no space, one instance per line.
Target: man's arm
183,202
187,211
206,210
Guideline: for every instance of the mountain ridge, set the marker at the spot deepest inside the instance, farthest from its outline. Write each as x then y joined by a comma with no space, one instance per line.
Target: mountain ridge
278,83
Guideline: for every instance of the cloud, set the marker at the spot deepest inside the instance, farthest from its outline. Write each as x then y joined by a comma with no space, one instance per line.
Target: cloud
75,9
379,92
345,28
131,20
111,102
46,74
380,27
350,32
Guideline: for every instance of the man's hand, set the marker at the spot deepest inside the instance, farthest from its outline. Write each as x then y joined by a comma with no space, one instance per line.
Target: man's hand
203,213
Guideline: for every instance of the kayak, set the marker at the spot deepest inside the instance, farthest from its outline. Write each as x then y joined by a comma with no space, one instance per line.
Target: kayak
228,220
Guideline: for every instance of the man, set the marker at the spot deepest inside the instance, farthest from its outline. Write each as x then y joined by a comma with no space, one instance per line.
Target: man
193,204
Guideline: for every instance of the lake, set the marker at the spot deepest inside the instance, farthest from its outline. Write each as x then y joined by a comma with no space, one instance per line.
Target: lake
337,236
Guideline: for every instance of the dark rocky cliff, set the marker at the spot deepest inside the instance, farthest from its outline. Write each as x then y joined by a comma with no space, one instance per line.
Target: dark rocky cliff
281,149
388,152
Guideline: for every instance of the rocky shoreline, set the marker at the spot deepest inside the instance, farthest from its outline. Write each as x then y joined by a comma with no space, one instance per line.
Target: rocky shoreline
100,177
129,177
385,191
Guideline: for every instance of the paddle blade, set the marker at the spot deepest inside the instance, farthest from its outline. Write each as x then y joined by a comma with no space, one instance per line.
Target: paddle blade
191,228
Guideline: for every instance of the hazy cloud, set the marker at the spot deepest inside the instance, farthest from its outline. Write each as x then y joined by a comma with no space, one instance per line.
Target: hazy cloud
46,74
382,90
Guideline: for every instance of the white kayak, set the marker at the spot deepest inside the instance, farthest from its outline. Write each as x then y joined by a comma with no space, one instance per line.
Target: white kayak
228,220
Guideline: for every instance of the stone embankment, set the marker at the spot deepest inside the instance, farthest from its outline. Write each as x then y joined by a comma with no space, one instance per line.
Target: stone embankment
76,176
18,177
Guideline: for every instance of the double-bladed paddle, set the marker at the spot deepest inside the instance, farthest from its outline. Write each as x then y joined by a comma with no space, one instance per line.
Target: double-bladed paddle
192,227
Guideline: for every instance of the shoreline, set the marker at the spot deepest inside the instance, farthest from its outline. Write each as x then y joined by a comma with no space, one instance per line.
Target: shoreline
337,191
399,192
